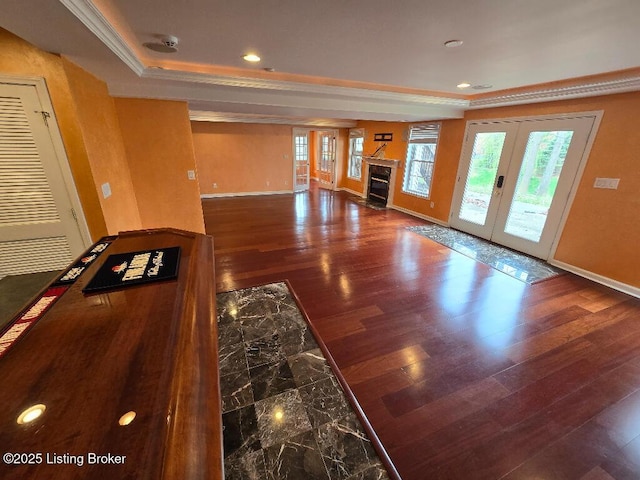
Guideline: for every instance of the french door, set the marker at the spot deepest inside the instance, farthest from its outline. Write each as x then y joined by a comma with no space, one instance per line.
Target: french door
300,160
326,158
515,178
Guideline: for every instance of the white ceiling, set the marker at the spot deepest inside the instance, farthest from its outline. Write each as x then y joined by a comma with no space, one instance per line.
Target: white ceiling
339,60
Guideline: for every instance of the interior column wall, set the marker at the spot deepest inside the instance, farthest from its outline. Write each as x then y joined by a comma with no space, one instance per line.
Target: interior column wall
159,150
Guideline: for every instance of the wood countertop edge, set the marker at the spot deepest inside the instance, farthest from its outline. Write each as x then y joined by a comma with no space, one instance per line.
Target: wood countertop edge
194,448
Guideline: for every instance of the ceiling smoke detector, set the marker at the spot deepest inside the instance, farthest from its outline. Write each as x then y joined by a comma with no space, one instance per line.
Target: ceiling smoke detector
167,44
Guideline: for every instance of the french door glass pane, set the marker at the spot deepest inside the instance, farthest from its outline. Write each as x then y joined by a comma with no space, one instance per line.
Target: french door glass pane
485,157
301,147
541,167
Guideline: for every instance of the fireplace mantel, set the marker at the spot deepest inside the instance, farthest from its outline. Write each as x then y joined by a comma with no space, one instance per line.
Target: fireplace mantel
385,162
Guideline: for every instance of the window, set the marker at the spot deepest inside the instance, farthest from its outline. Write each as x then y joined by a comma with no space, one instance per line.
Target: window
421,156
356,142
301,147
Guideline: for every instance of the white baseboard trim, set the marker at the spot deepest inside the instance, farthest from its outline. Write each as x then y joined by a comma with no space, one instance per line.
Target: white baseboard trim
243,194
606,281
419,215
353,192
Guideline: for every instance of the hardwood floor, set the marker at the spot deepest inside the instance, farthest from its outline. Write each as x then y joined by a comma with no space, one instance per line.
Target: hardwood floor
463,371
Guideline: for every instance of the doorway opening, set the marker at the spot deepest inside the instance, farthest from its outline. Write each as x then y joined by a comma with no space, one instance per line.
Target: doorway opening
314,158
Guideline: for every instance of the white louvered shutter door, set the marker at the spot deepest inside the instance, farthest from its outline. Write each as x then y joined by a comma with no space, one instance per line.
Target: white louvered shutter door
34,205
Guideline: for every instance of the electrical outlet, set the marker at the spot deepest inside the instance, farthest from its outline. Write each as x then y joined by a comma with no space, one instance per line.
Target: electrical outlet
433,204
267,183
215,185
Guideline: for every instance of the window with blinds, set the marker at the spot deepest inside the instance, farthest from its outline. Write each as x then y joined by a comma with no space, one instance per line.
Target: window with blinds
356,143
421,157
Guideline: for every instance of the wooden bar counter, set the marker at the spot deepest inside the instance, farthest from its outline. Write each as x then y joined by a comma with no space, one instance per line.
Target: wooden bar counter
92,358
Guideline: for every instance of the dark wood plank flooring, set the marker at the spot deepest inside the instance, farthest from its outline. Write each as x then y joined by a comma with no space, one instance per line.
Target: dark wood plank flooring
463,371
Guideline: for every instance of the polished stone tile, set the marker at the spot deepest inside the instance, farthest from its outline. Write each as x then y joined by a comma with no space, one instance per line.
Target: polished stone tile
281,417
517,265
241,433
250,466
227,307
297,340
287,316
309,367
341,444
271,379
296,459
376,472
285,415
264,350
324,401
236,390
368,203
229,334
232,359
258,327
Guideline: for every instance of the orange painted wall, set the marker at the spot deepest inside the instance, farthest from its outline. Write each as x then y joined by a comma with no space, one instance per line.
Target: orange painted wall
447,158
105,149
159,149
18,57
602,233
242,158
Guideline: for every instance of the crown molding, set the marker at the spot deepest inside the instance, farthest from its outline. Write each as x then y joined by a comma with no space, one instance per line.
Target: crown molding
308,88
95,21
610,87
205,116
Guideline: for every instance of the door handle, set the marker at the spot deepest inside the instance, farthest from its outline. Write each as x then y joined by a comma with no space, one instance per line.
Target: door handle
500,181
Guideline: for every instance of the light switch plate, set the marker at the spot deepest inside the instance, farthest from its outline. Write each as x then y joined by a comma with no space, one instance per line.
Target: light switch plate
611,183
191,174
106,190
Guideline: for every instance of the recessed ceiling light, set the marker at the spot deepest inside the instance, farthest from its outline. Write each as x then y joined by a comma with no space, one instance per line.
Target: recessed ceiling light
453,43
464,85
251,57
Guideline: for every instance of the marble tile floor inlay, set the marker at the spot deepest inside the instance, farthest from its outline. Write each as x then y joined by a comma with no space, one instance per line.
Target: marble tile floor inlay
517,265
285,415
368,203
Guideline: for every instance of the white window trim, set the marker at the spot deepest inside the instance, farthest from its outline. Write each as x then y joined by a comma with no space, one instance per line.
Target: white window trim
353,134
407,162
